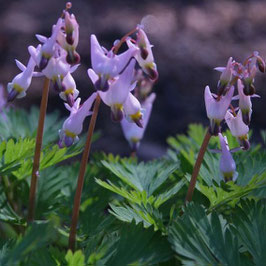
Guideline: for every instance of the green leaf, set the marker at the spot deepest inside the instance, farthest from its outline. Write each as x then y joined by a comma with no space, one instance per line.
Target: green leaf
7,214
14,153
19,123
204,239
140,214
249,221
49,157
142,177
76,259
230,193
37,236
139,246
250,164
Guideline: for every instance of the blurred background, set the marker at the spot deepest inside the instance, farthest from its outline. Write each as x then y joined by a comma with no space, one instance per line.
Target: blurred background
190,38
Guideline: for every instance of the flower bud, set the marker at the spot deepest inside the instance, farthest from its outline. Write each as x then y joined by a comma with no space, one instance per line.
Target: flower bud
225,78
249,88
144,56
72,57
245,104
261,64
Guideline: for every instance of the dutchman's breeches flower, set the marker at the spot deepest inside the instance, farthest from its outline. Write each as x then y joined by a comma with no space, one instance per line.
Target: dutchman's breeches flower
133,110
20,84
118,92
238,128
48,46
134,133
73,125
70,92
56,70
106,64
225,78
144,56
227,163
245,104
216,108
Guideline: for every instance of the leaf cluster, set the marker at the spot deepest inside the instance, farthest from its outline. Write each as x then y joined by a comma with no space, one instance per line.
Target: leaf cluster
132,213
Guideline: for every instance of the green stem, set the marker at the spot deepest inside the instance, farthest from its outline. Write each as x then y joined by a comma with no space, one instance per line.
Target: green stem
38,147
82,170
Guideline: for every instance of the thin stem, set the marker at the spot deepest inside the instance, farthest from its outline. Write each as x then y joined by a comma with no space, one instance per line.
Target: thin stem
82,170
38,147
197,165
117,47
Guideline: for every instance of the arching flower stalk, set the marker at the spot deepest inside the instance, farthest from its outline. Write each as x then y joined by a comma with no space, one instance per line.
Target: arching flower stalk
112,76
217,110
47,57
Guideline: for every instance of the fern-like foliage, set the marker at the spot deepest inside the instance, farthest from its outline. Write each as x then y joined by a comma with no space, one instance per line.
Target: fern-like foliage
203,239
145,187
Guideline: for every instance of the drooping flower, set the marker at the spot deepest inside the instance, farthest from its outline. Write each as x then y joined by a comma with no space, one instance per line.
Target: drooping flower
226,77
56,70
106,64
216,109
144,56
245,104
119,98
238,128
48,45
133,110
227,163
144,85
73,125
70,92
19,85
134,133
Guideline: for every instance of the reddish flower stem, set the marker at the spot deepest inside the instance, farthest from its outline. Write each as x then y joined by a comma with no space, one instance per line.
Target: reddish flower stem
117,47
38,147
197,165
82,170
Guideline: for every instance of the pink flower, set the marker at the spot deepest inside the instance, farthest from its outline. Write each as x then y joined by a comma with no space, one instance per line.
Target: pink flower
119,89
134,133
73,125
227,163
69,38
48,46
70,92
133,110
19,85
238,128
106,64
226,76
144,56
216,109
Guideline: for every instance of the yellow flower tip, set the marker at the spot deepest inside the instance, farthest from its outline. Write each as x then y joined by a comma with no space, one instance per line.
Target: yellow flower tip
18,88
70,134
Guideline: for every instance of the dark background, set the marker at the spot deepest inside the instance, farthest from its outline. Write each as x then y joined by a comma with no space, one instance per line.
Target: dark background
190,38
